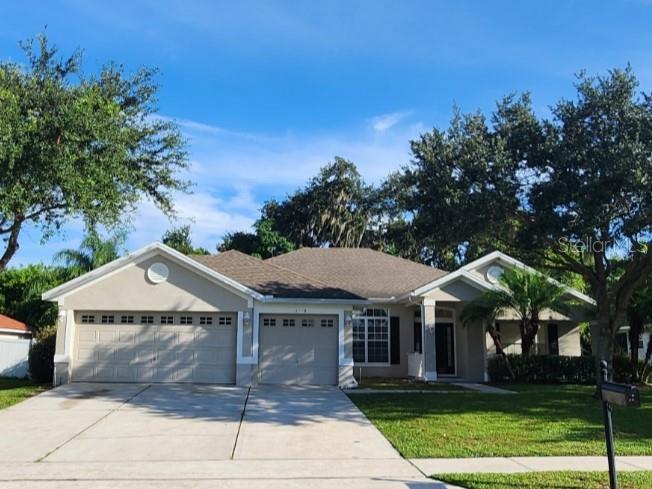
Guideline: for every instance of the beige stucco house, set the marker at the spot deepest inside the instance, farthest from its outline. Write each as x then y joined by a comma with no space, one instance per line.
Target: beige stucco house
312,316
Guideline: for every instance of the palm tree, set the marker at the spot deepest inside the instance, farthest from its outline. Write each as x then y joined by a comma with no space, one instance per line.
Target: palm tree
523,292
92,253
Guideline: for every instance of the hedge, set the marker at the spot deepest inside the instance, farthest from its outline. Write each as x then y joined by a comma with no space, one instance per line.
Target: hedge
41,355
555,369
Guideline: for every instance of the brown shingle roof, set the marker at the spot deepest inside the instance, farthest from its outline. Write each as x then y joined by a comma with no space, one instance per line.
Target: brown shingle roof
270,279
367,273
9,323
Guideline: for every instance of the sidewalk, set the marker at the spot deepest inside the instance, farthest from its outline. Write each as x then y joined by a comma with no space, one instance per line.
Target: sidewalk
510,465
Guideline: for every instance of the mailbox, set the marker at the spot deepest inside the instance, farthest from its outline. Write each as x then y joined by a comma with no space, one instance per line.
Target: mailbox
612,393
620,394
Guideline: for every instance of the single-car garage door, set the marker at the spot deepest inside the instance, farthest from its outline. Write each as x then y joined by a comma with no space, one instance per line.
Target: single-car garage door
298,349
154,347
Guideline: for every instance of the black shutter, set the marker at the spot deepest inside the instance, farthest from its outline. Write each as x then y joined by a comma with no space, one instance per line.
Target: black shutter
553,339
395,340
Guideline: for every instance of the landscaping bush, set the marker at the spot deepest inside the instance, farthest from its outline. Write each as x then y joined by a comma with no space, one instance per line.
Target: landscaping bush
623,370
554,369
543,369
41,355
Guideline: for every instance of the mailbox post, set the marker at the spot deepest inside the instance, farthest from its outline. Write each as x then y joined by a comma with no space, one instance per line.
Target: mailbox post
620,395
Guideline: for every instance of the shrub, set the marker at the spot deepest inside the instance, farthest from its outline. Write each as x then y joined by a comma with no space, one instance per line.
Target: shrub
554,369
623,370
41,355
543,369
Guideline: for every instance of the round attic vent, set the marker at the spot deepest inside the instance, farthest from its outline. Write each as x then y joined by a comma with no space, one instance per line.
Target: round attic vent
494,273
158,272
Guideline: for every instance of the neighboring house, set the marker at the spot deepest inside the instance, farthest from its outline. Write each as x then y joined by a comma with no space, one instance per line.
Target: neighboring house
622,340
15,341
312,316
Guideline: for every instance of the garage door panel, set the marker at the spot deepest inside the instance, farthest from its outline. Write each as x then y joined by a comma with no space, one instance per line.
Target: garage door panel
167,338
124,355
303,354
154,352
185,356
166,357
126,336
87,336
107,336
186,338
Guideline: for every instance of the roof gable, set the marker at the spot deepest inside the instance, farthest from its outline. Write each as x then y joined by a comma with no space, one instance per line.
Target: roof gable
475,273
140,255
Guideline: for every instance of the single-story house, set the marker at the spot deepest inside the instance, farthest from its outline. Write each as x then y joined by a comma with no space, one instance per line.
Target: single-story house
625,346
15,341
311,316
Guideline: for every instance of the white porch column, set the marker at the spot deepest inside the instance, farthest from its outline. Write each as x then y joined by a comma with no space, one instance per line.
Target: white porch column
65,342
428,318
246,348
345,350
485,360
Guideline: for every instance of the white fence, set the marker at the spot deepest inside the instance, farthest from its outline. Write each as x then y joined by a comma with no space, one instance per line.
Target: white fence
13,357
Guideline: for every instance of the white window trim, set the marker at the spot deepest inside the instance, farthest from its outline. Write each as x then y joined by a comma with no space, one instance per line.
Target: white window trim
366,341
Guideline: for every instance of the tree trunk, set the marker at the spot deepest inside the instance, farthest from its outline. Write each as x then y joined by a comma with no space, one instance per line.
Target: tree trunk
498,343
648,352
529,330
607,325
635,329
12,244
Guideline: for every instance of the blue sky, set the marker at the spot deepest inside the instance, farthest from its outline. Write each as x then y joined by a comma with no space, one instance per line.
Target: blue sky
267,92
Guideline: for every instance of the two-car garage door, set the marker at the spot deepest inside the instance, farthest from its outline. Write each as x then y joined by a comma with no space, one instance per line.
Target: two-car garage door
154,347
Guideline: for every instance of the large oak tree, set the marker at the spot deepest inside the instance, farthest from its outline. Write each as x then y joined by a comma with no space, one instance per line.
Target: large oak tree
79,146
570,192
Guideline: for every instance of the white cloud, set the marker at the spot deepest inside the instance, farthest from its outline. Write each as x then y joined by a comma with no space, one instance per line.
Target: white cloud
209,218
384,122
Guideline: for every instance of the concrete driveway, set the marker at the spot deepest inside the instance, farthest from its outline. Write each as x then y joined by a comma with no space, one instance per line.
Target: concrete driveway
141,435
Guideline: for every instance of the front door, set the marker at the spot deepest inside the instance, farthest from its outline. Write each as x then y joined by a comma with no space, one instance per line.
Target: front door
445,348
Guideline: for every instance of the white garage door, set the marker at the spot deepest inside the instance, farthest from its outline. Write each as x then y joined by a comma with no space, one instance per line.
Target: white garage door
155,347
298,349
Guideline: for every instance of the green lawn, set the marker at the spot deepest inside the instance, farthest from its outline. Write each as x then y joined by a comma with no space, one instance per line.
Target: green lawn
537,421
548,480
13,391
406,384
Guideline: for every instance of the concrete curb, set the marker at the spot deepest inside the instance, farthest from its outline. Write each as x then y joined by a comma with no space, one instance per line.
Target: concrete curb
511,465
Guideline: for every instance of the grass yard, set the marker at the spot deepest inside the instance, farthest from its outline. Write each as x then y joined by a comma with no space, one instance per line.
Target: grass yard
538,421
406,384
12,391
548,480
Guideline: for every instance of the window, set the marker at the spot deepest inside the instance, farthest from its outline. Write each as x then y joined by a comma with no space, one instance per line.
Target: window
87,319
167,319
147,319
127,319
207,320
371,336
327,323
185,319
307,323
108,319
288,322
225,321
269,322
